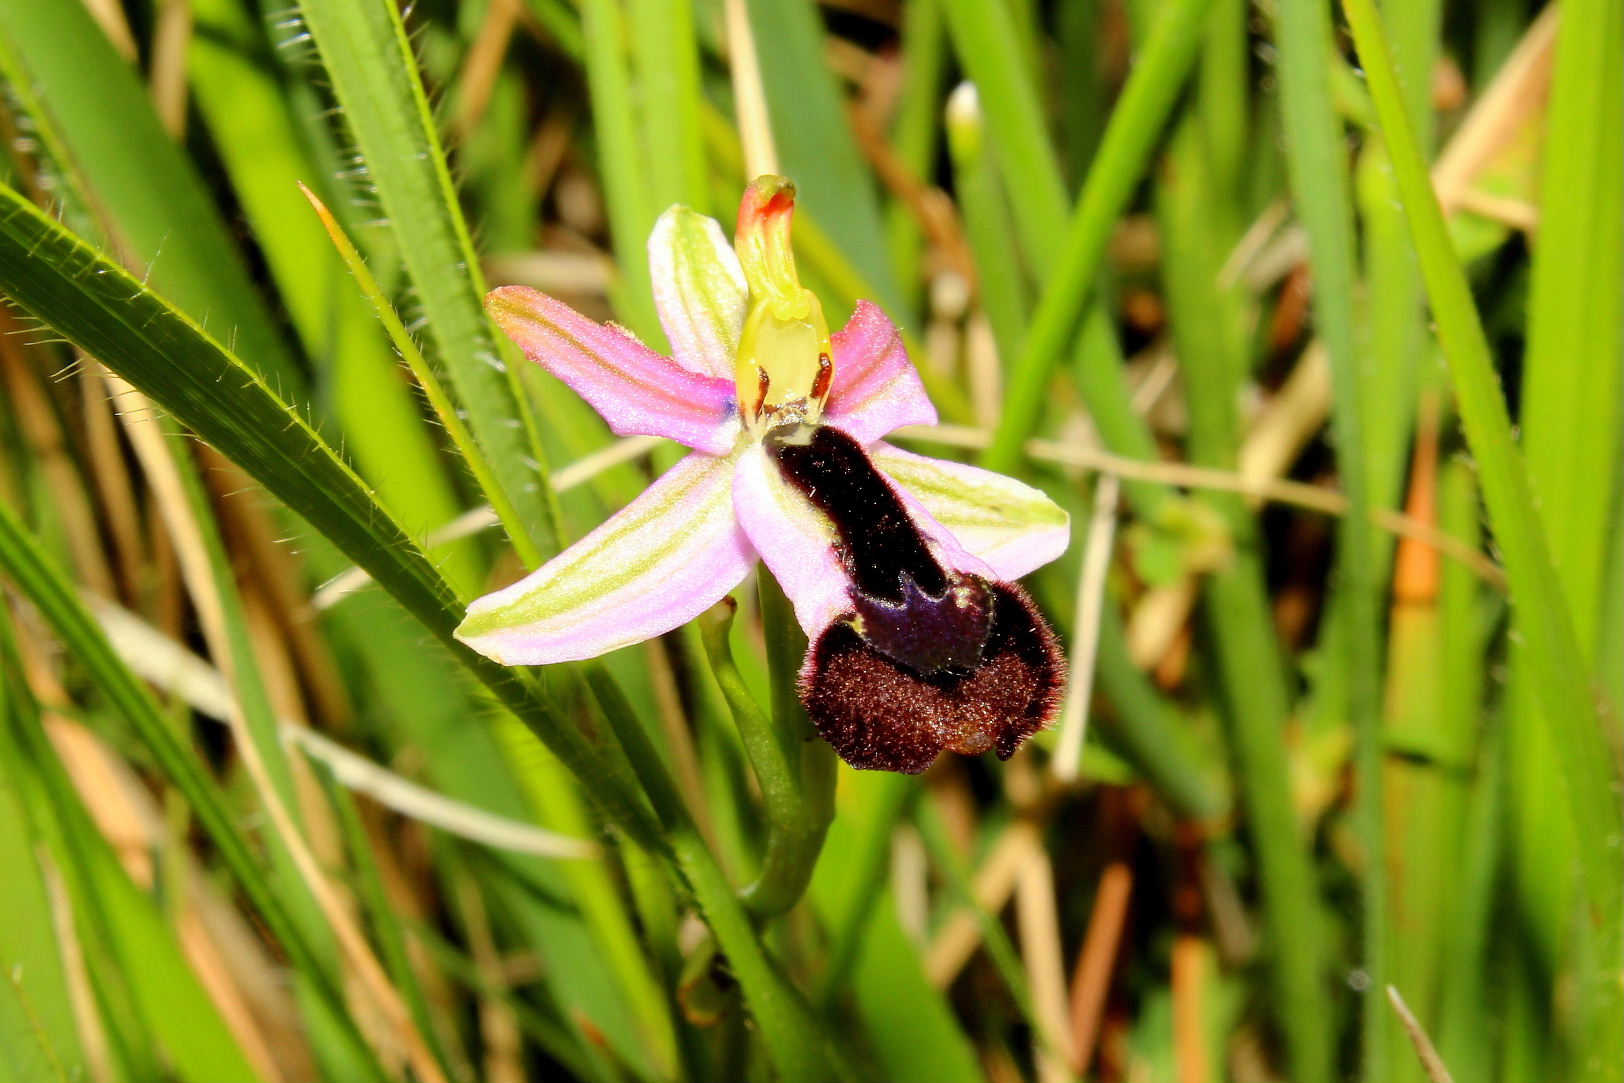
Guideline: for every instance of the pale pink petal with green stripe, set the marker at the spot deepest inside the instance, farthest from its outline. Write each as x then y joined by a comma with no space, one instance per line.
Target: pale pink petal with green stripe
876,388
637,391
699,290
661,561
795,540
1008,524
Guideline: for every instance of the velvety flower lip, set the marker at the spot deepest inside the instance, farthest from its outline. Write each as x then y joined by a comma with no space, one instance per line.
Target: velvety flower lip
896,563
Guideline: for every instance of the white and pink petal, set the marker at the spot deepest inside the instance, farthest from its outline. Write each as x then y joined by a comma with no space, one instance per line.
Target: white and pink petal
656,564
796,541
876,388
637,391
1008,524
699,291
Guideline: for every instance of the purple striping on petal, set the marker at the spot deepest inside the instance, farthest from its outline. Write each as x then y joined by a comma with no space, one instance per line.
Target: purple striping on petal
876,388
637,391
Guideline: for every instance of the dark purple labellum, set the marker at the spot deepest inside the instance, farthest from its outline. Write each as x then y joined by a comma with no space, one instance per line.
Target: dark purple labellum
928,658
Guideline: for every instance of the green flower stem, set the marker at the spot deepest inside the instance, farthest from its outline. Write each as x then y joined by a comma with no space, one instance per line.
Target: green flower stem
795,1040
793,769
441,402
786,647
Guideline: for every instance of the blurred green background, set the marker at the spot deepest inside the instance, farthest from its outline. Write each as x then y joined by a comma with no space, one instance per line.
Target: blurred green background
1344,604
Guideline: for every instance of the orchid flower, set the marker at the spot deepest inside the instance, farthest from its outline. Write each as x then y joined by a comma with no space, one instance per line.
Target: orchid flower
898,565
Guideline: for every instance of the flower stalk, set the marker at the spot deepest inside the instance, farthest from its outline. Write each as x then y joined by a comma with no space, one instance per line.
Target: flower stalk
796,772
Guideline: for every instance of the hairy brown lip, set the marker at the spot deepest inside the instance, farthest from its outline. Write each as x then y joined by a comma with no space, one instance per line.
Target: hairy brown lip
928,657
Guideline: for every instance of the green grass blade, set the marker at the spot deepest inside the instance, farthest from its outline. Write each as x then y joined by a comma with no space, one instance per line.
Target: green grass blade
56,599
1223,92
249,118
444,409
1013,127
38,1035
623,162
1548,640
1237,614
816,148
1572,405
1317,167
665,49
367,56
1000,285
606,918
985,36
1463,912
385,923
1124,152
144,976
1573,390
154,201
990,43
140,951
1145,730
25,1050
914,132
96,304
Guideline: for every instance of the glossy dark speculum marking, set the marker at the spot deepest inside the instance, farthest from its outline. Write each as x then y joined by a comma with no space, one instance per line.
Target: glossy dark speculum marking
882,547
929,657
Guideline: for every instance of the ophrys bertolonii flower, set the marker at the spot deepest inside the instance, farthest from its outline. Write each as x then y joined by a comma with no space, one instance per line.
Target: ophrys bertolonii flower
899,566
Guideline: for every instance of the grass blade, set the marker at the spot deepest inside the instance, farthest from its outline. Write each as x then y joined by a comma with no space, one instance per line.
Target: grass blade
253,127
1572,395
63,281
157,205
1317,166
623,162
1241,628
56,599
38,1034
1124,152
1549,642
367,56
